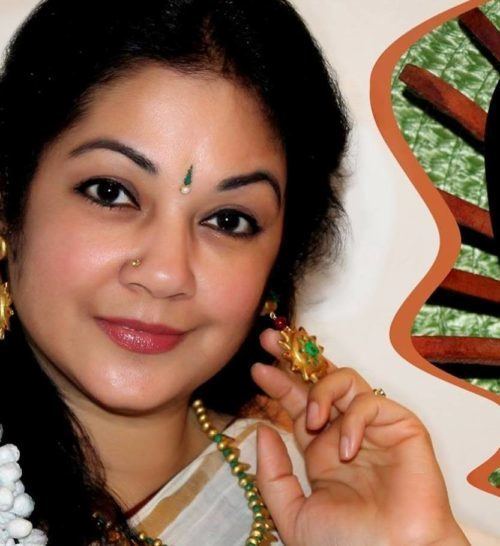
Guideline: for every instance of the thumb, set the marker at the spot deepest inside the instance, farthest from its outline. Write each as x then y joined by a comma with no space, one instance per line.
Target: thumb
279,487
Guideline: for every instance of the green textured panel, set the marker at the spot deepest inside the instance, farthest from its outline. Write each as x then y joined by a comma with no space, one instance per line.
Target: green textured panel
437,320
492,385
451,163
494,478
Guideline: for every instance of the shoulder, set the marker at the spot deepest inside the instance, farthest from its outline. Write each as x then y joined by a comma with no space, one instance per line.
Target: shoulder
244,433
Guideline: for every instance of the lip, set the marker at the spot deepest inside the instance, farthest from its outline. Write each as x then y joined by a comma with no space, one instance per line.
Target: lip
140,337
142,326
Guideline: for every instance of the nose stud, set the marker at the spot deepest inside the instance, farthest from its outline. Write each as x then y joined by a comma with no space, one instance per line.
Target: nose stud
136,263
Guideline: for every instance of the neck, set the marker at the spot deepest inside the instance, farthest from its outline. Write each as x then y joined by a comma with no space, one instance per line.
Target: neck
139,452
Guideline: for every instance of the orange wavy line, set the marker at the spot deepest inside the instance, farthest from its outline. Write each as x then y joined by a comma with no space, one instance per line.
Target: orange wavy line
481,473
449,234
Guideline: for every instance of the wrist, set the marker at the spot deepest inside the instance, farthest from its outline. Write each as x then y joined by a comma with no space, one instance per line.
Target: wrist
455,537
443,535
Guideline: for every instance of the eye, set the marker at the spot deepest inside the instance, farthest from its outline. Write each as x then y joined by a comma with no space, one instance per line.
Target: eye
234,223
105,192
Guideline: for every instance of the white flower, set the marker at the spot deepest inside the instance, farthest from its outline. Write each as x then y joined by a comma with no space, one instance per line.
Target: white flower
6,498
19,528
9,453
23,505
35,538
15,504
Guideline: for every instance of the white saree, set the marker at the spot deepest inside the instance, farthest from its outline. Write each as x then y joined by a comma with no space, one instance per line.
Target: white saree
203,504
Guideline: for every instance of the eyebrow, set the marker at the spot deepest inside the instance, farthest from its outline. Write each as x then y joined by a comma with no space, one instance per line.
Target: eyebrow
230,183
241,180
115,146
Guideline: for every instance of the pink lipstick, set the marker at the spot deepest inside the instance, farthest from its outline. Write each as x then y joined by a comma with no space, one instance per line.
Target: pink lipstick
140,337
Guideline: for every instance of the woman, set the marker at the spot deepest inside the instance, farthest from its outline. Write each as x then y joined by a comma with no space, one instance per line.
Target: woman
215,141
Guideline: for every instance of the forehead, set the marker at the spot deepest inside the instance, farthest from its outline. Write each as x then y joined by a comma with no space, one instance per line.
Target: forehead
180,118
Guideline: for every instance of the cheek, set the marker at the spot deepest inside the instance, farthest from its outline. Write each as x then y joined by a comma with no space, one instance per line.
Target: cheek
232,293
234,285
235,301
61,260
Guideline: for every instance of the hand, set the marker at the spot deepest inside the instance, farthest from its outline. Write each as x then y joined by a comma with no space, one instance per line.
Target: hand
370,463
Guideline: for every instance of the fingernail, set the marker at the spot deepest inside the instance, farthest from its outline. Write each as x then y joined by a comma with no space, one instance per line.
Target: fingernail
312,414
345,448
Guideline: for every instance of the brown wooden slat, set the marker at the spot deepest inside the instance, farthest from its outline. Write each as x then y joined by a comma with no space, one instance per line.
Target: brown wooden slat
472,284
459,350
483,30
469,215
446,99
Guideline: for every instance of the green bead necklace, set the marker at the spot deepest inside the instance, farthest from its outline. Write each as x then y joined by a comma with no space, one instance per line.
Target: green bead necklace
262,526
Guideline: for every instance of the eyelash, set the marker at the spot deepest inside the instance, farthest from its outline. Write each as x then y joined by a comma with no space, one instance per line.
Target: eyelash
80,189
99,181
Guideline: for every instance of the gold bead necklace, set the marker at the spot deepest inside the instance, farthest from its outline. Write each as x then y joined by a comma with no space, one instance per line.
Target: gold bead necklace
262,526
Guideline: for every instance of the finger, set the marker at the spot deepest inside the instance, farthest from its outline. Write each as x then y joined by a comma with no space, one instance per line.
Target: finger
279,487
393,423
338,388
269,340
291,394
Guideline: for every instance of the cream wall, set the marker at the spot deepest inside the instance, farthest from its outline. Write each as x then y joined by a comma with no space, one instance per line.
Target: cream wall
392,243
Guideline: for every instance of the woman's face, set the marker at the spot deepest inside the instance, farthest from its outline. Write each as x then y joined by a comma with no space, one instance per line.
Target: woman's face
203,271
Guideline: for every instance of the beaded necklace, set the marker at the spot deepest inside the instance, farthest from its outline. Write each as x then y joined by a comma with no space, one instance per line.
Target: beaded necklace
262,526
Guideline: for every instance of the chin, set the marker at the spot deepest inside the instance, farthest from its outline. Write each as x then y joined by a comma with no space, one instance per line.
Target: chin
128,395
130,403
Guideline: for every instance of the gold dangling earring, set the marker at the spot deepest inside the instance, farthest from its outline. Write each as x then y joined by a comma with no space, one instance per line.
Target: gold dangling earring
6,310
300,348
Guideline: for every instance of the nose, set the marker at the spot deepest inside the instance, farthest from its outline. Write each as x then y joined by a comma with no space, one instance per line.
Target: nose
165,269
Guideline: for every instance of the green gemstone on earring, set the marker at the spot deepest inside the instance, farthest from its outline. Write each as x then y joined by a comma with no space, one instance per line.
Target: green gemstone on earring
217,438
311,348
226,452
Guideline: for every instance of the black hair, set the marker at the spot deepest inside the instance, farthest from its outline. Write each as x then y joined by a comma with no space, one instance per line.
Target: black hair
59,57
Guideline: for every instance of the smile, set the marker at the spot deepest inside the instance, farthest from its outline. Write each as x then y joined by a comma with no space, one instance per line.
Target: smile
138,341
